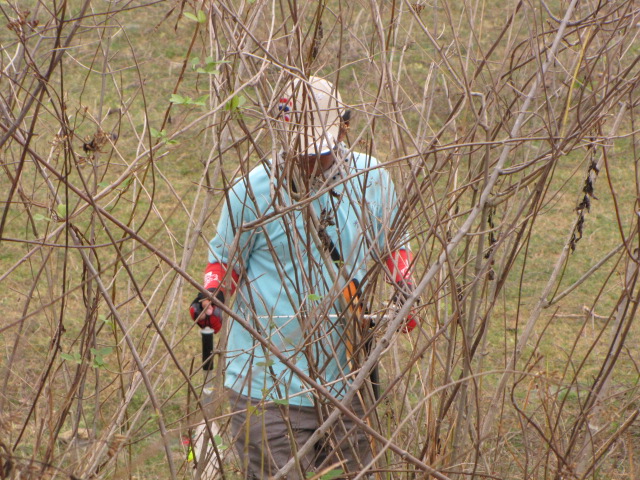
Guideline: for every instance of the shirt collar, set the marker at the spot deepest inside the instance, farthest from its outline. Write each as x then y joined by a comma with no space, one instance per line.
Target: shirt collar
334,175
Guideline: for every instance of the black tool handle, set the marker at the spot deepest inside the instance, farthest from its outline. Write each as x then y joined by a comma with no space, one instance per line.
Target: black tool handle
207,348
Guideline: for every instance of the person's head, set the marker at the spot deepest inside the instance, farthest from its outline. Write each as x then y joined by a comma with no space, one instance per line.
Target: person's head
315,121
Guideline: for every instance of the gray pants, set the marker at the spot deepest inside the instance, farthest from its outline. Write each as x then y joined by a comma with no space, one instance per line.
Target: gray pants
273,434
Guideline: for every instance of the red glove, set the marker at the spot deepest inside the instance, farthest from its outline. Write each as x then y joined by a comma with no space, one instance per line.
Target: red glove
405,290
399,263
207,314
211,316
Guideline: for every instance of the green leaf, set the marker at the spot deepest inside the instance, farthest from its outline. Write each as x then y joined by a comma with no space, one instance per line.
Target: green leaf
331,474
314,297
72,357
281,401
258,412
220,443
103,352
190,16
201,17
162,134
235,103
268,363
208,70
62,210
202,101
38,217
178,99
210,66
106,321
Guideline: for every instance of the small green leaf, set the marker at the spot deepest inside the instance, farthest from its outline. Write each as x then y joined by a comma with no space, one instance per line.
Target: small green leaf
190,16
201,17
268,363
202,101
235,103
102,352
106,321
38,217
220,443
71,357
62,210
207,70
178,99
258,412
281,401
314,297
331,474
162,134
210,66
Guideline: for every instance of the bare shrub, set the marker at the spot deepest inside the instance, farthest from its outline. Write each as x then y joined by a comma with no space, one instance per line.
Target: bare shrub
510,130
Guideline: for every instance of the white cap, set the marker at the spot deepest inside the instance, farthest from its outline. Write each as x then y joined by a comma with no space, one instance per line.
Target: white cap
311,112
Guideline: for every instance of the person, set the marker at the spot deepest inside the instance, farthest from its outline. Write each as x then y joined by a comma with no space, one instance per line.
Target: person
297,236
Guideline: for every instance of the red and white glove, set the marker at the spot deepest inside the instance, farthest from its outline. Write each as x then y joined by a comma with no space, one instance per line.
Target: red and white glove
399,265
202,310
211,316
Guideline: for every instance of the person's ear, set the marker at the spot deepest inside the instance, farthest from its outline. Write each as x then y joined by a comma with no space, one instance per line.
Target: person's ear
344,125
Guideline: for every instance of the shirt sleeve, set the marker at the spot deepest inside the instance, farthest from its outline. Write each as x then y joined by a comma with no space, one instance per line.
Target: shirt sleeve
233,240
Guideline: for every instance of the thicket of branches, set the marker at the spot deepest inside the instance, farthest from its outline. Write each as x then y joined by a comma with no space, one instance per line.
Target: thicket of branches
509,128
